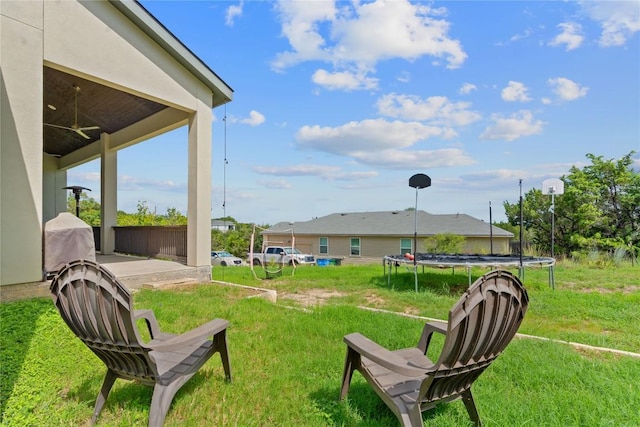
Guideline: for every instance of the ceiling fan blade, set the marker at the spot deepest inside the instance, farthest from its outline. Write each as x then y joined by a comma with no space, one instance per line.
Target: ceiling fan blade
58,126
82,134
75,127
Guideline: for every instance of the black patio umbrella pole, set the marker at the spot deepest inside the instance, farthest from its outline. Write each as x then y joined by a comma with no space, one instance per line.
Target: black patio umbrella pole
77,191
417,181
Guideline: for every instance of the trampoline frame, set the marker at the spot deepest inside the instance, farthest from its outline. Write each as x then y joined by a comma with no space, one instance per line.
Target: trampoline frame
468,261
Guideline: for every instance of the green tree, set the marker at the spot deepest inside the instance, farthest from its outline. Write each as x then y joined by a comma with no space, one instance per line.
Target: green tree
89,208
173,217
599,210
238,240
444,243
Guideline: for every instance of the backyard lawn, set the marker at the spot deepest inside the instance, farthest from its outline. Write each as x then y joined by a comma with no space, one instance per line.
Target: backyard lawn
287,357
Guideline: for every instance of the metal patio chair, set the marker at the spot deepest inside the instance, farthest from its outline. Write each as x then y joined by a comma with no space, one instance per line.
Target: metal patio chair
480,326
99,310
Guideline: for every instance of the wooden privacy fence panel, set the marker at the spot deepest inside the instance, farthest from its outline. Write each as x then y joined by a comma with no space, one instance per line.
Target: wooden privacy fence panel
152,240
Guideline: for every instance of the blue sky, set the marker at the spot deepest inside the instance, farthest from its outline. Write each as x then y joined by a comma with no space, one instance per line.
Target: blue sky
338,104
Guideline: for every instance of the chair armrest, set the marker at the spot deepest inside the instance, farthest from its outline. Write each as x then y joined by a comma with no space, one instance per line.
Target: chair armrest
150,318
386,358
195,335
427,333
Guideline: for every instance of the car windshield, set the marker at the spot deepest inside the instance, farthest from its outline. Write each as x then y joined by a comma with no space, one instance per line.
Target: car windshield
222,253
290,251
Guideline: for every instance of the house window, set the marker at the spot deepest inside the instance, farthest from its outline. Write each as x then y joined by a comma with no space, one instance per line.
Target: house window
324,245
355,246
406,246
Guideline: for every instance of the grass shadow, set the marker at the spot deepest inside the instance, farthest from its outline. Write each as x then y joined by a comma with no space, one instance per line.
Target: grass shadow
129,393
361,408
17,327
402,279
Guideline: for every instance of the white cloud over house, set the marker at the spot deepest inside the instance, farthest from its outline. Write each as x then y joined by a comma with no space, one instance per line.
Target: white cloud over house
515,126
515,92
566,89
341,34
571,36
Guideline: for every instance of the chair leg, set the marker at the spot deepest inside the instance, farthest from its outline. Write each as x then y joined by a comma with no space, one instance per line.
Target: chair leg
351,363
469,403
220,341
160,402
109,379
411,417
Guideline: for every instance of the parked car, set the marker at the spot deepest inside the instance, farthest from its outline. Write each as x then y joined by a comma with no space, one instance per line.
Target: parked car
282,255
224,259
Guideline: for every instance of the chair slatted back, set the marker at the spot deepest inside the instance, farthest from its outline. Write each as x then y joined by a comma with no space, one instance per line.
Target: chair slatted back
481,324
98,309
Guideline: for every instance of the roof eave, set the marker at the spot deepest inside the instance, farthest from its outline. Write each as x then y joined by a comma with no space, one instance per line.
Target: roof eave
134,11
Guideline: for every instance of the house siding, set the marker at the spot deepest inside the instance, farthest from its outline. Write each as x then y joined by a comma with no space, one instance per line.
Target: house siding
380,246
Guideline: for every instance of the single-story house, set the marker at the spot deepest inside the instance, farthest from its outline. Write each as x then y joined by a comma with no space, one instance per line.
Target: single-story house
80,81
222,225
377,234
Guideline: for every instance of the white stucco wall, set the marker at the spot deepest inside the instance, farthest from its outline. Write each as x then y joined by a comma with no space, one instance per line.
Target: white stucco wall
54,179
21,179
92,40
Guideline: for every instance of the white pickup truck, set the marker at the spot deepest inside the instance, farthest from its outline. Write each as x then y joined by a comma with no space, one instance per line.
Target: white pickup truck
283,255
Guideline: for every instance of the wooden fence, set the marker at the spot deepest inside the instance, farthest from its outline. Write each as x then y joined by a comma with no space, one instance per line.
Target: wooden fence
156,241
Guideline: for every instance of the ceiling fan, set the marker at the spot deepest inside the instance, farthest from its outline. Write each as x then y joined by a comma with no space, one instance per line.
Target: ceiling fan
75,127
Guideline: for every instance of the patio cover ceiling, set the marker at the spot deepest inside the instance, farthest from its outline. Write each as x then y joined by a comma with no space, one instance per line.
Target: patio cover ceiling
98,105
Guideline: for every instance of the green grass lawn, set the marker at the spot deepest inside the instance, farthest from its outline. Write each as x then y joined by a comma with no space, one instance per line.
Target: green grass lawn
287,363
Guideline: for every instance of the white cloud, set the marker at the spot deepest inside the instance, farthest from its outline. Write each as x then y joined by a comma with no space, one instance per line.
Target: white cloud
437,109
571,36
296,170
281,184
619,19
133,183
85,176
331,173
467,88
232,12
354,137
511,128
344,80
255,119
515,91
416,159
356,36
382,143
566,89
404,77
527,33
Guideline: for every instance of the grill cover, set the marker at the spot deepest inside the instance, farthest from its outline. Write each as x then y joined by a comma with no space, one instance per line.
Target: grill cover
67,238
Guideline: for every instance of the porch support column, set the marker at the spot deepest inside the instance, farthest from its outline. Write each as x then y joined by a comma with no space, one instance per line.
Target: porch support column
108,194
199,188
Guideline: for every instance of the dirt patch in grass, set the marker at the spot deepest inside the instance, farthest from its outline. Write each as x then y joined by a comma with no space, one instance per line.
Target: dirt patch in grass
374,300
311,297
625,290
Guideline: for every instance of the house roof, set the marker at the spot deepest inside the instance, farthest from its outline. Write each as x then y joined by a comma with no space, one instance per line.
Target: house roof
390,223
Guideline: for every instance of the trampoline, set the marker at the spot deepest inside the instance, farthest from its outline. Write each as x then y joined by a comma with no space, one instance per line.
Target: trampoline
468,261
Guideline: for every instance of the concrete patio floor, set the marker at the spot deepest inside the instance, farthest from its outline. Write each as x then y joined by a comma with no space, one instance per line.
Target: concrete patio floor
133,272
